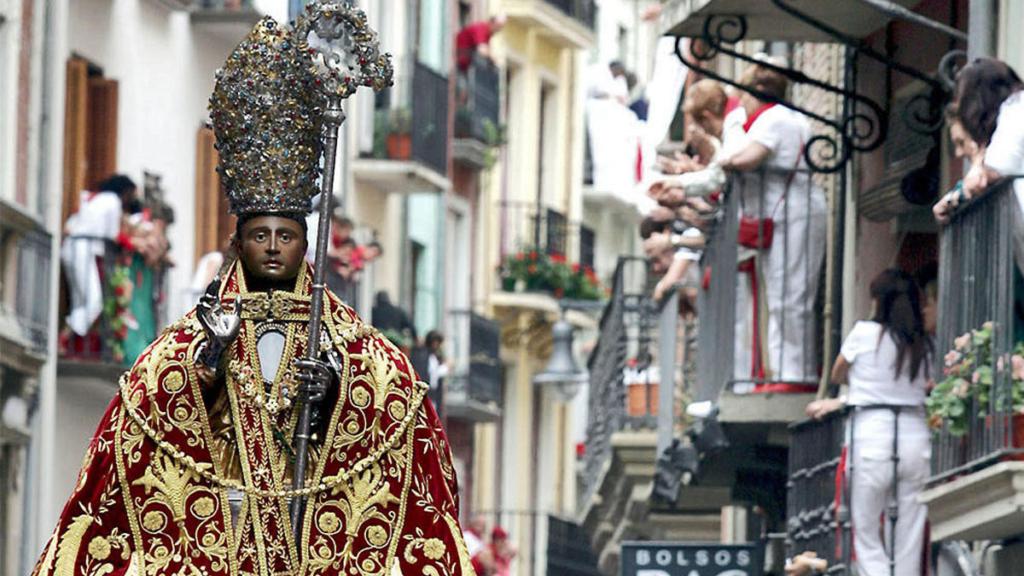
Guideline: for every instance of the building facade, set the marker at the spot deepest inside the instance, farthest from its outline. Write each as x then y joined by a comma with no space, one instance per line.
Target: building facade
748,471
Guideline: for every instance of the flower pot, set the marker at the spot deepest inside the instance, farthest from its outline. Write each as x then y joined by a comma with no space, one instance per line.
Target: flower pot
1017,441
399,146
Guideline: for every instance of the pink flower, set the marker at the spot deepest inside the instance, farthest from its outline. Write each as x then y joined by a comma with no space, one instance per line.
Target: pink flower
1017,366
952,357
961,388
988,325
962,342
976,377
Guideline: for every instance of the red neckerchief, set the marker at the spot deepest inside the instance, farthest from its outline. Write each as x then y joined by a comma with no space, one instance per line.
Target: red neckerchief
753,117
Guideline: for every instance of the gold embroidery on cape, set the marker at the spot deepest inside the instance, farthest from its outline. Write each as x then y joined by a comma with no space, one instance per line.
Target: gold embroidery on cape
70,543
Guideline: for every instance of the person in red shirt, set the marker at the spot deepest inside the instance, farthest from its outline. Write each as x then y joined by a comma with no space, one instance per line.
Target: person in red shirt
475,39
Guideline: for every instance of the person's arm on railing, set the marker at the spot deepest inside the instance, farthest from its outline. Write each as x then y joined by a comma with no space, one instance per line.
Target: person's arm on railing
675,274
823,407
749,158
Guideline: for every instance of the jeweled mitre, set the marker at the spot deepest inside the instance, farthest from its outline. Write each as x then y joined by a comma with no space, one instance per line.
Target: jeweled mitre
267,118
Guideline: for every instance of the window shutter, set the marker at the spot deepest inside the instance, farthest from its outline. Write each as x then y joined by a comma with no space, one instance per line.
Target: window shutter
213,223
77,73
101,130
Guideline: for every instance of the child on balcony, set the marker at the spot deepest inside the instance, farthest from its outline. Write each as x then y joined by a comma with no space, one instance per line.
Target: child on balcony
885,361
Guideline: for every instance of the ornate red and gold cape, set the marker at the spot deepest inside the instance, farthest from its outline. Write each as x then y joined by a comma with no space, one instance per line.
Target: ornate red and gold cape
151,498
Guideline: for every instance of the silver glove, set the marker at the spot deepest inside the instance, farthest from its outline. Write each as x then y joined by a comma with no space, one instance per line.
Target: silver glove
221,327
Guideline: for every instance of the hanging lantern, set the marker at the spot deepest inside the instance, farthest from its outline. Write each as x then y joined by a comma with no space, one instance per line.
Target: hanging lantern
563,374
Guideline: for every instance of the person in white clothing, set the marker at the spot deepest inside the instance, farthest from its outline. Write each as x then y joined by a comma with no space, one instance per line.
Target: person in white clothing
87,234
781,280
885,362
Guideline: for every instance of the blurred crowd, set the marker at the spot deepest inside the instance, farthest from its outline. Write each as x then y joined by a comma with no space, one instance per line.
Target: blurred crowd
114,250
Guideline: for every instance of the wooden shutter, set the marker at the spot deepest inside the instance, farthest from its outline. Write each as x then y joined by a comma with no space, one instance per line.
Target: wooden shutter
213,223
75,106
101,130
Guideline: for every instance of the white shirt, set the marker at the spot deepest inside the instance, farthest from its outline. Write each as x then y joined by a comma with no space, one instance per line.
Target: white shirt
784,133
99,215
872,378
691,254
436,371
1005,152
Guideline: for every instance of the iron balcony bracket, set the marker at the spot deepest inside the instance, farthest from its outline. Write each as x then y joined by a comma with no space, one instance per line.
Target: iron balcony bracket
864,128
923,113
861,130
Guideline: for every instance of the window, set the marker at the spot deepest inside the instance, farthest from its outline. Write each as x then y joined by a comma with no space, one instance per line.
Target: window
434,38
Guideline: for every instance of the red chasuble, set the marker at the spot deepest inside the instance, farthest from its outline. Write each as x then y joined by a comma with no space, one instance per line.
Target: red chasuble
151,498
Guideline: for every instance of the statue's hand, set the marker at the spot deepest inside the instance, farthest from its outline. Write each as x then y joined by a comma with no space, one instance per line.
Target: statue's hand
221,327
314,377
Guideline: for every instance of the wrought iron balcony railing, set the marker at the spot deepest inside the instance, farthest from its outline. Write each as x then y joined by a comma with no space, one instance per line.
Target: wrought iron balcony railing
474,343
430,118
817,521
979,287
478,112
637,353
526,225
584,11
417,130
113,301
760,320
32,307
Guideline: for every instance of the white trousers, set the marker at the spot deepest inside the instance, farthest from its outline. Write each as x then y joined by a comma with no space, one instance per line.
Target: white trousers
871,491
791,277
788,287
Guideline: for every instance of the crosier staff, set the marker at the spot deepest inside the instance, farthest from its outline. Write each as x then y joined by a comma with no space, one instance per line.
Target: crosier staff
344,56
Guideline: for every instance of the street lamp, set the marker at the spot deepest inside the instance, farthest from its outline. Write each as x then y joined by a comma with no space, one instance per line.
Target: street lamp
563,374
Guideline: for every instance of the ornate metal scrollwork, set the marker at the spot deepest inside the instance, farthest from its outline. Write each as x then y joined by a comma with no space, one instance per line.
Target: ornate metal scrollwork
866,126
863,130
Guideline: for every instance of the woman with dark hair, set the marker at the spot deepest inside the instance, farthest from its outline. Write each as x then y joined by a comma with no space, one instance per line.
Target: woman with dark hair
885,362
989,103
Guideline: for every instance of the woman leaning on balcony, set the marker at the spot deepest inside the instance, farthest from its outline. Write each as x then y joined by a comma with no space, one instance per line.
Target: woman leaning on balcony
989,105
885,362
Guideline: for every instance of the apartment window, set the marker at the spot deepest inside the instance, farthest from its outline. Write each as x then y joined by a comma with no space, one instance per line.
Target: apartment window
547,150
435,39
213,223
90,130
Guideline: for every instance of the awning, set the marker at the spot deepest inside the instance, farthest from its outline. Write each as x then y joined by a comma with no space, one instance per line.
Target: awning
794,20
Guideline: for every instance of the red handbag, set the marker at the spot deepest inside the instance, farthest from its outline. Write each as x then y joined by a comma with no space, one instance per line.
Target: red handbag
756,233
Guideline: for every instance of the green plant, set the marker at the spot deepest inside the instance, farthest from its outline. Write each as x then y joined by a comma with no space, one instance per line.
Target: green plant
969,371
116,312
495,136
381,128
400,121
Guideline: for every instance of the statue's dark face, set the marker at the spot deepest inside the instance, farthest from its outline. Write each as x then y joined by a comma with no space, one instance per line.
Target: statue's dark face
272,248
